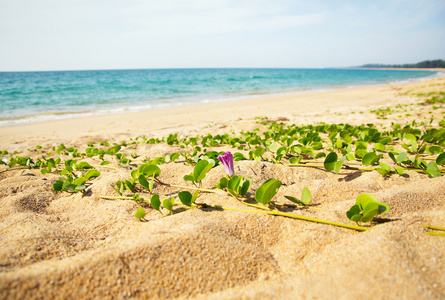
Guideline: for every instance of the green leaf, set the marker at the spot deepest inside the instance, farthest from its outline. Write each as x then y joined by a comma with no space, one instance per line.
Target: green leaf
410,137
440,160
273,147
80,180
189,177
294,199
350,157
306,196
234,183
330,161
294,160
91,173
201,169
399,170
363,200
57,186
368,158
433,150
140,213
356,218
383,208
379,147
245,187
338,144
402,157
195,196
267,191
338,164
371,206
143,181
433,170
370,215
149,170
113,150
260,151
155,202
354,210
360,153
83,165
174,156
185,197
168,203
385,166
223,182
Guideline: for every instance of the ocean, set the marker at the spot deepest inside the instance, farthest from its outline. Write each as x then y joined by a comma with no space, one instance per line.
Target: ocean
30,97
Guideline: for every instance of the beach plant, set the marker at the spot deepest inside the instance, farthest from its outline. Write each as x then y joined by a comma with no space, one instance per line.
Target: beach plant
200,171
140,214
366,207
237,186
74,184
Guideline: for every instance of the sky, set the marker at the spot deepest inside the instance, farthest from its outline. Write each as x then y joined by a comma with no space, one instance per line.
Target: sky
42,35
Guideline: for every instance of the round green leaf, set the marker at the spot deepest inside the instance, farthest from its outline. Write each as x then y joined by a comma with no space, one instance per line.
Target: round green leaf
260,151
434,150
363,200
155,202
91,173
306,196
330,160
140,213
379,147
354,210
149,170
267,191
383,208
201,169
433,170
402,157
234,183
273,147
143,181
410,137
245,187
385,166
168,204
185,197
356,218
368,158
440,160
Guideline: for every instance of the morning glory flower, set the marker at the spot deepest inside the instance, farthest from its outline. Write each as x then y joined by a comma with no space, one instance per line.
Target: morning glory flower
227,162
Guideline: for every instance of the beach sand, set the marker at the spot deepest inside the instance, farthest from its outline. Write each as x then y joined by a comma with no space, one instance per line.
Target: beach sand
56,245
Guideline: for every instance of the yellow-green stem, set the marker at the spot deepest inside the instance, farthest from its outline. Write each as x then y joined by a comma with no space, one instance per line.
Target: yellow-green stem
189,188
277,213
435,233
433,227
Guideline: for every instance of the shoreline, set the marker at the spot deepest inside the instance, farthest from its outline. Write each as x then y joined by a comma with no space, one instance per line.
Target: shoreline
168,103
140,122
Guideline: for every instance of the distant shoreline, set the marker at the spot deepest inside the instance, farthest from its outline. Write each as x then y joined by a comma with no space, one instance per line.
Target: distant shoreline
405,69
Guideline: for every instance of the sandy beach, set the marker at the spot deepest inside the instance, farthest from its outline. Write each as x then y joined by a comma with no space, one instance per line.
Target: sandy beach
58,245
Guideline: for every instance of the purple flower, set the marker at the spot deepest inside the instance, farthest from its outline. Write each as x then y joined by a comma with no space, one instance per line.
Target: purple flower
227,162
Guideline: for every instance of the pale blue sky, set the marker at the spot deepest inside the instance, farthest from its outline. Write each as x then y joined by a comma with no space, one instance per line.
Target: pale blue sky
111,34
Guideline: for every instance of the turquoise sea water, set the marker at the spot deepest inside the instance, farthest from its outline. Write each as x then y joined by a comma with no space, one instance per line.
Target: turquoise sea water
28,97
